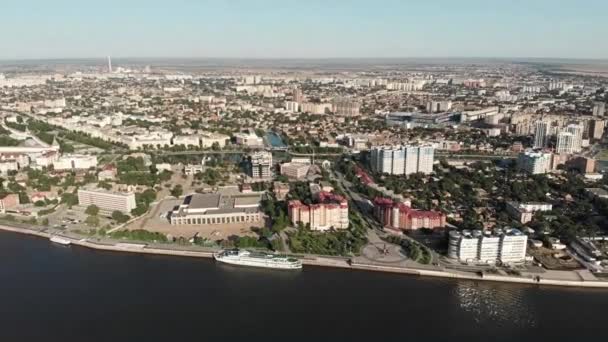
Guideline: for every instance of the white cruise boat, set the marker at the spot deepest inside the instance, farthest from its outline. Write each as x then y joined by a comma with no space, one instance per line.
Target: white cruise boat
255,259
60,240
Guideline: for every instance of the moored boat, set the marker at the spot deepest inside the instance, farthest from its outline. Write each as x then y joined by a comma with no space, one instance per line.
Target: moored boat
60,240
257,259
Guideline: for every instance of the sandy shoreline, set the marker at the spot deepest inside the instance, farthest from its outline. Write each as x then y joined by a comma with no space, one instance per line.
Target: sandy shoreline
318,261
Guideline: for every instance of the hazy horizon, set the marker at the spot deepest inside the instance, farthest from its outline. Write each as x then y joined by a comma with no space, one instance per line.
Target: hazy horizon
289,29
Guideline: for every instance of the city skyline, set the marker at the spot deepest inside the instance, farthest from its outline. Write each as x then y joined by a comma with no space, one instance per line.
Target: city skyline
311,30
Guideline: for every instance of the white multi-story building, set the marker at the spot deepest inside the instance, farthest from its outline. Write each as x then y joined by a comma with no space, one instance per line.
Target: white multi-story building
438,106
565,143
524,212
107,200
186,140
249,139
577,133
534,162
295,170
403,159
208,139
292,106
346,107
541,134
599,108
506,246
75,162
261,164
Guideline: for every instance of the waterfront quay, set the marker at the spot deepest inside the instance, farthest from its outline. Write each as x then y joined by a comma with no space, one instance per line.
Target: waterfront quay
554,278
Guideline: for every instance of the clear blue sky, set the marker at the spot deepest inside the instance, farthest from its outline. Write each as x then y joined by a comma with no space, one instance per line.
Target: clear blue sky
303,28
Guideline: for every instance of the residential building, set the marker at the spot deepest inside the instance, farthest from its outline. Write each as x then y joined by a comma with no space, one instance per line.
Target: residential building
438,106
534,162
331,211
107,200
261,165
577,134
565,142
292,106
506,246
403,159
295,171
583,164
596,129
599,108
524,212
8,202
541,134
346,107
397,215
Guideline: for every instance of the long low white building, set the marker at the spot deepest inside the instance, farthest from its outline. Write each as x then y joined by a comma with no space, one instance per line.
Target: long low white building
75,162
107,200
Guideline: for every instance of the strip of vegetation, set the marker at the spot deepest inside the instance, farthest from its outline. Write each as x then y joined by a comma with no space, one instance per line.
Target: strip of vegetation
415,251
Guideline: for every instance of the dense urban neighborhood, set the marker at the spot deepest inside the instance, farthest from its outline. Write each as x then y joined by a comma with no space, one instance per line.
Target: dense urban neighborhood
489,168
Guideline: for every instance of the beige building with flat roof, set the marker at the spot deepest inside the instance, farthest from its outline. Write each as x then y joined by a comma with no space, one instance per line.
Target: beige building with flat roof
107,200
225,207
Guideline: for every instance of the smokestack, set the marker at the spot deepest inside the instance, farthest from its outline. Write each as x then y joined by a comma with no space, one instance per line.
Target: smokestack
109,64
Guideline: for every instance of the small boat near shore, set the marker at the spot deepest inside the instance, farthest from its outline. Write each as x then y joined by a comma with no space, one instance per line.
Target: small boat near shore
60,240
257,259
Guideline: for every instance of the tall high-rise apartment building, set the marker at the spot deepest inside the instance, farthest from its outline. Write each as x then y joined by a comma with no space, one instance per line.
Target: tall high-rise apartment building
541,134
403,159
599,108
565,142
577,133
261,165
346,107
596,129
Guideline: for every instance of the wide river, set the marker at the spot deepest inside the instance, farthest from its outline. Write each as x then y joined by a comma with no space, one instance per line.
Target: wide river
55,293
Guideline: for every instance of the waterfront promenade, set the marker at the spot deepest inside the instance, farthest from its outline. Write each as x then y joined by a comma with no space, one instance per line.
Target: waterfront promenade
572,279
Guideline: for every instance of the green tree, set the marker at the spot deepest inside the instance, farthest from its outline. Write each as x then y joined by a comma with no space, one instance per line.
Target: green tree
69,199
92,221
119,217
177,191
92,210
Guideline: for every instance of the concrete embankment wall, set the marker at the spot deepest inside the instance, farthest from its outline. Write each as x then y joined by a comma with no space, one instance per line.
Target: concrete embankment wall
321,261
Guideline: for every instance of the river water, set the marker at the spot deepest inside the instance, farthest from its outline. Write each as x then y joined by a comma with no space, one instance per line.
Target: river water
55,293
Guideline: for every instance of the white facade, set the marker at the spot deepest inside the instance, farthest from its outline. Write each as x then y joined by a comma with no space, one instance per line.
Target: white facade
505,246
403,159
107,200
577,133
534,162
186,140
261,163
292,106
565,143
207,140
438,106
75,162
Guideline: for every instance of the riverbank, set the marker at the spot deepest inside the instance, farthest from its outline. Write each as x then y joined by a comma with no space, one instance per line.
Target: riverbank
314,261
